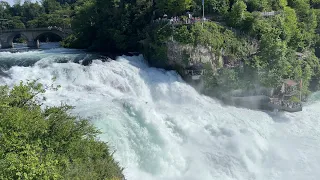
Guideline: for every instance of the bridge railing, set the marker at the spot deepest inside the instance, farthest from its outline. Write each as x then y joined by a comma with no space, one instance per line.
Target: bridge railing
35,29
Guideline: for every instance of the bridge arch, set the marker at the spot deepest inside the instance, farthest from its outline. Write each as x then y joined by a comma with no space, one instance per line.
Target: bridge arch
54,35
32,35
11,37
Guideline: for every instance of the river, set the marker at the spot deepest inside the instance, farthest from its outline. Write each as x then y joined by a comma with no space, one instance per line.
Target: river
162,129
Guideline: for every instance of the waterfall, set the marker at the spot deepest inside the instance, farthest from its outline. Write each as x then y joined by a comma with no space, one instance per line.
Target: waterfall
162,129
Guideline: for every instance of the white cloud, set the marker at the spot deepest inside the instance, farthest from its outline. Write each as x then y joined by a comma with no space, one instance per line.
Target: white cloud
11,2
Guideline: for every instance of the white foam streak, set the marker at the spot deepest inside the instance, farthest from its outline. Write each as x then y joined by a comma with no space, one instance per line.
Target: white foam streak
161,128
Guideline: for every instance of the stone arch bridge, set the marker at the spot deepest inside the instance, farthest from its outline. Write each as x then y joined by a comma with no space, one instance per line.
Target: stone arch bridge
32,35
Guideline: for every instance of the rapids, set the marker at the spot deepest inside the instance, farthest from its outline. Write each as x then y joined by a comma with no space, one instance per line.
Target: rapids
161,128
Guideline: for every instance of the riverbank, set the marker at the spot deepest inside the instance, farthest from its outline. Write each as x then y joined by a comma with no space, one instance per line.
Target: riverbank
231,60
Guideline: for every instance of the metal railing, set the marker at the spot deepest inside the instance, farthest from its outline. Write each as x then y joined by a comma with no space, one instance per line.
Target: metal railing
271,13
180,21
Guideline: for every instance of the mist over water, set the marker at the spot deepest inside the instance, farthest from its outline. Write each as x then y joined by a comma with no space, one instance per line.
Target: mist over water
162,129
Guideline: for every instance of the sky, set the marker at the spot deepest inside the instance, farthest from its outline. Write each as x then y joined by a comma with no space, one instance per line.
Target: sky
12,1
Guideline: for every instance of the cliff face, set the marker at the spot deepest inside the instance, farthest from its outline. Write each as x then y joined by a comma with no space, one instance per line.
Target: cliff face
211,46
178,56
186,55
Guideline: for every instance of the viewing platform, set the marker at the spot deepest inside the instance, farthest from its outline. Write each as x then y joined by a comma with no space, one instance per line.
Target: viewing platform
195,72
270,13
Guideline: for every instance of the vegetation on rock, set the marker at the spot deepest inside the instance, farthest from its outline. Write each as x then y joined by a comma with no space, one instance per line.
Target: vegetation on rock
234,27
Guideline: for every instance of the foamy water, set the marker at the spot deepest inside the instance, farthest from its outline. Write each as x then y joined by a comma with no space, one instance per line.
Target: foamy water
161,128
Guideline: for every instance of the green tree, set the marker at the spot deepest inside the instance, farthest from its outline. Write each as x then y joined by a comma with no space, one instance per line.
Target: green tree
237,14
50,6
258,5
30,11
173,7
112,25
48,143
183,35
16,23
4,8
66,1
213,7
278,4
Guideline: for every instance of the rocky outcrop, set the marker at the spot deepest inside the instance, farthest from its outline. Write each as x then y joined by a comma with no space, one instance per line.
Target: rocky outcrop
187,55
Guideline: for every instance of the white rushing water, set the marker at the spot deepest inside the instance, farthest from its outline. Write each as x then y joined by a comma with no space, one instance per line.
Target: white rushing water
161,128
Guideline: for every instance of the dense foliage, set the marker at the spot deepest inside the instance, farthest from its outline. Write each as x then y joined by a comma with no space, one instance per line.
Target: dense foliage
48,143
34,15
110,25
286,39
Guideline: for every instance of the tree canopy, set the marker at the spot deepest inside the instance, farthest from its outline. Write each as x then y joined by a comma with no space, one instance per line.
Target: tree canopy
122,26
48,143
33,15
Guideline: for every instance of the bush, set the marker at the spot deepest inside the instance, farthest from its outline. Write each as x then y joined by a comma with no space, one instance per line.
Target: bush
48,143
183,35
294,99
73,42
